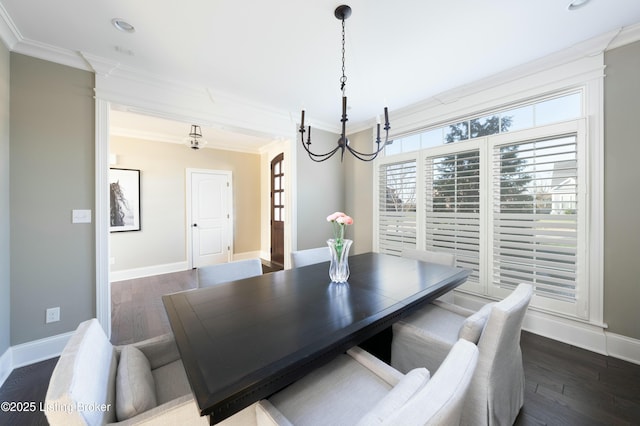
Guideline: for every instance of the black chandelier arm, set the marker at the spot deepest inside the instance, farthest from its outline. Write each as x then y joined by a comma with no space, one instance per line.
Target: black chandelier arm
316,157
365,156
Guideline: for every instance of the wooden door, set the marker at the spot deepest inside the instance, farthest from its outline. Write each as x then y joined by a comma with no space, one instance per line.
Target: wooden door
277,210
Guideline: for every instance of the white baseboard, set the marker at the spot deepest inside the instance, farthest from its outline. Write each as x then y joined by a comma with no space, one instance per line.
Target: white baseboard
167,268
591,337
248,255
31,352
6,365
39,350
147,271
623,347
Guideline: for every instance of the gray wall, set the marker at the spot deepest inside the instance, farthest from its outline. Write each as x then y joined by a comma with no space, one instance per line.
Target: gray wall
320,191
622,197
5,283
52,172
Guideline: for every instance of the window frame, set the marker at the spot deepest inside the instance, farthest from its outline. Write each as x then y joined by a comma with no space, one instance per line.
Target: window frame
588,305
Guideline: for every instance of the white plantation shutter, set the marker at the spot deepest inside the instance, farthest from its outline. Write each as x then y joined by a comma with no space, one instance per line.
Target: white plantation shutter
453,208
397,207
535,216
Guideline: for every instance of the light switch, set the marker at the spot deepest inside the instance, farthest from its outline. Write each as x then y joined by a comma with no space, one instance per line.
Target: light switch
81,216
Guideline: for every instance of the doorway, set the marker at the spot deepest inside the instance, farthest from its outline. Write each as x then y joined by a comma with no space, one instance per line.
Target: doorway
277,210
209,216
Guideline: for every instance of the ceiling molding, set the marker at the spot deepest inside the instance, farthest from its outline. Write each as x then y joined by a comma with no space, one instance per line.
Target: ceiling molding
626,35
9,33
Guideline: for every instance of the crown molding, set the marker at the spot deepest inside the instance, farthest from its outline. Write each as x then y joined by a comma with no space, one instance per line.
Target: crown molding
9,33
626,35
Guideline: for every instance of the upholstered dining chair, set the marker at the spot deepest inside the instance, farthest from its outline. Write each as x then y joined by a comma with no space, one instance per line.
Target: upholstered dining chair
358,389
95,383
424,339
310,256
211,275
442,258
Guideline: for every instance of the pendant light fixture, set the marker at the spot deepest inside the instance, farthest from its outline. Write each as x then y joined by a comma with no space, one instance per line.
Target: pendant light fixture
342,13
195,140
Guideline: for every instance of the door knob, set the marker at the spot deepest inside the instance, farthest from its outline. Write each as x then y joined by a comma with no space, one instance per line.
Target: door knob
195,225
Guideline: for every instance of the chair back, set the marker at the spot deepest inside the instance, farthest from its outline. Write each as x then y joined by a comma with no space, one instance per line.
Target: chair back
500,372
222,272
310,256
84,376
441,400
430,256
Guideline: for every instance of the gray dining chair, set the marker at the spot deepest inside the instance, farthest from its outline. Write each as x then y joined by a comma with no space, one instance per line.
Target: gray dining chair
424,339
211,275
442,258
358,389
310,256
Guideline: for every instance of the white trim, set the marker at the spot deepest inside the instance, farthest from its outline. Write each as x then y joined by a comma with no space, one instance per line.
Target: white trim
102,220
148,271
168,268
39,350
256,254
591,337
6,362
623,347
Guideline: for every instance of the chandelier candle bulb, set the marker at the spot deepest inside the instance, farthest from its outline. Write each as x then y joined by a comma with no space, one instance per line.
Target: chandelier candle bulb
302,120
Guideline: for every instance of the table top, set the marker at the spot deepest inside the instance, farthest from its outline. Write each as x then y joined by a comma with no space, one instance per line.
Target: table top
244,340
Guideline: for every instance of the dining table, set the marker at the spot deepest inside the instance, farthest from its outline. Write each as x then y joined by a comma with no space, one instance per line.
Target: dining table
243,340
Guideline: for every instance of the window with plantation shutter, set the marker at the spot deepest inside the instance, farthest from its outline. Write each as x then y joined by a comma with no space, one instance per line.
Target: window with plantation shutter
397,207
453,207
535,215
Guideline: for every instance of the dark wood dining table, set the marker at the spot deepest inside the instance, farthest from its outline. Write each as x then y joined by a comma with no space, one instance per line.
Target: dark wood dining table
244,340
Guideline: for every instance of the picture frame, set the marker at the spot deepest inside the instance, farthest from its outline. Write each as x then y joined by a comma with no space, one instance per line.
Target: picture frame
124,200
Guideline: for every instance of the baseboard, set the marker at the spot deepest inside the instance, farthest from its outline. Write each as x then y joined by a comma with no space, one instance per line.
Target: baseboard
167,268
147,271
248,255
591,337
6,365
623,347
39,350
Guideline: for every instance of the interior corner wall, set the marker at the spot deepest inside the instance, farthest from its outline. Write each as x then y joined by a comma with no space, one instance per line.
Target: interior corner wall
320,191
359,193
52,157
622,203
5,277
162,238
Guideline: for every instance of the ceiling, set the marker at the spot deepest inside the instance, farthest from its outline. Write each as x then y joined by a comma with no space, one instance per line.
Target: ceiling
286,53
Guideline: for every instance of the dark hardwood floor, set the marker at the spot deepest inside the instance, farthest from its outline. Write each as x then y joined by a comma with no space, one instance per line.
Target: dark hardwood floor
565,385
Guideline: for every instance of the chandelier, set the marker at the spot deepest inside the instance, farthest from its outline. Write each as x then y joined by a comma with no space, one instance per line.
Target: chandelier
195,140
342,13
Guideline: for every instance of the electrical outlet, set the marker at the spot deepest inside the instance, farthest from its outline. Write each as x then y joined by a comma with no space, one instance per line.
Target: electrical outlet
53,315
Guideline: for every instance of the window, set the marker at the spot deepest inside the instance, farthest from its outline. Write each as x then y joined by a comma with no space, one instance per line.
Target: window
397,207
452,221
510,205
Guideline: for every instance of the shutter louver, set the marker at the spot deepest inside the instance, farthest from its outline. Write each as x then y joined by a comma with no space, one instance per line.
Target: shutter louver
397,209
453,208
535,226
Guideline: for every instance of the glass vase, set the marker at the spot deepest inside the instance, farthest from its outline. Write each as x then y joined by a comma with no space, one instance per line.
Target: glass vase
339,267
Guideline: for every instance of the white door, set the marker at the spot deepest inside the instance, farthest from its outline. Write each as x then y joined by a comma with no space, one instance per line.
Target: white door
211,219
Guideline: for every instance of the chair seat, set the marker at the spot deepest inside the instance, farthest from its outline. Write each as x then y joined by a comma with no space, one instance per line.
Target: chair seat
359,389
171,382
339,393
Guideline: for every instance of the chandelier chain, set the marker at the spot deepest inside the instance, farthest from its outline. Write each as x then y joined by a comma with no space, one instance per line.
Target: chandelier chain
343,79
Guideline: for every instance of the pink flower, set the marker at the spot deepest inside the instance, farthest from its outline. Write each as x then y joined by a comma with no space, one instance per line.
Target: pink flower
345,220
334,216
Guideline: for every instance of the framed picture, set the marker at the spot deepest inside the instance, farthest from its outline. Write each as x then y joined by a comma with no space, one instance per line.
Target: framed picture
124,200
